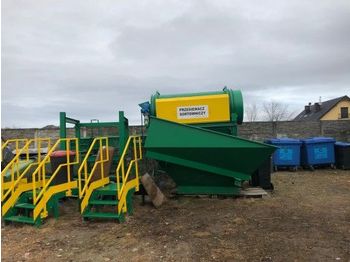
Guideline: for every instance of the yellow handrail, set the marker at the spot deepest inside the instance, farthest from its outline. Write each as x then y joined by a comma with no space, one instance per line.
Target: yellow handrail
137,152
41,167
26,147
39,181
15,161
16,142
84,168
18,180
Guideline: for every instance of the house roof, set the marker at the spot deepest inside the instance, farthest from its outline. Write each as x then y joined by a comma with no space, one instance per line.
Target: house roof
314,115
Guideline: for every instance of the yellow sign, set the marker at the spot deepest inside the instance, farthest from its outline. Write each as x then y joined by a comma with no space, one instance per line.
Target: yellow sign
194,109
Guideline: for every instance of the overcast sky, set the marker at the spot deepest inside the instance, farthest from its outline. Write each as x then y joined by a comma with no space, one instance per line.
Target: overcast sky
93,58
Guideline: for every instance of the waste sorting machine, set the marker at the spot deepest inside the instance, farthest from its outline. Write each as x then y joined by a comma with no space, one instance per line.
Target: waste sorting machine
194,139
192,136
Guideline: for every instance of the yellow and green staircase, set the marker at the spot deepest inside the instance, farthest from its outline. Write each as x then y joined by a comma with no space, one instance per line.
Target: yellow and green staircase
109,197
23,211
30,194
103,204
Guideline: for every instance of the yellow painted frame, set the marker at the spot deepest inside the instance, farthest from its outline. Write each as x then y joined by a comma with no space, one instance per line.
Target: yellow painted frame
94,185
16,194
52,190
126,185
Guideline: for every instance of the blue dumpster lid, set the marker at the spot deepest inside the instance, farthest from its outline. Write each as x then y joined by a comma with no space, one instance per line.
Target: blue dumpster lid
342,144
319,139
285,140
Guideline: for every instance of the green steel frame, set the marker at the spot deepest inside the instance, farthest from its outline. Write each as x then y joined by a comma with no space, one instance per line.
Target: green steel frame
122,125
117,140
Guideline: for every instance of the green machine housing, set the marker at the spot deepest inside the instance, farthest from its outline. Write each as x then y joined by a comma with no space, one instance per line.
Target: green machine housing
232,100
194,138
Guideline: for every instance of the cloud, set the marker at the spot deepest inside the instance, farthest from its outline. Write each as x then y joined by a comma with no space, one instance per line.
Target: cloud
92,59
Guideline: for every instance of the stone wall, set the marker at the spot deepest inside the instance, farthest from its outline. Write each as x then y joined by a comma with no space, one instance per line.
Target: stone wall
10,133
338,129
260,131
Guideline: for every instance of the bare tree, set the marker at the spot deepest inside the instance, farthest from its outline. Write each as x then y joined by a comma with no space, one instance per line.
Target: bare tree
252,112
275,111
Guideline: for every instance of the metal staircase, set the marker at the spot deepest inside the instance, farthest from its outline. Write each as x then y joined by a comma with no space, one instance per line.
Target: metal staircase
100,197
16,171
33,193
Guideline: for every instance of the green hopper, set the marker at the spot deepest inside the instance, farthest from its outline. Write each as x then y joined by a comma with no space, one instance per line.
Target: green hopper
202,161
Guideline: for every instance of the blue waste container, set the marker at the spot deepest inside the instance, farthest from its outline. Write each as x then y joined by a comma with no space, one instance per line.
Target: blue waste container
288,153
317,151
342,155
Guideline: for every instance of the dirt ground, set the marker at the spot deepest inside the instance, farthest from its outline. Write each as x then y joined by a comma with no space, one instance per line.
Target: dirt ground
306,218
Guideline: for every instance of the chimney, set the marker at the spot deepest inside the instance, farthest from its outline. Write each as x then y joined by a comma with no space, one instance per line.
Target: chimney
308,108
317,107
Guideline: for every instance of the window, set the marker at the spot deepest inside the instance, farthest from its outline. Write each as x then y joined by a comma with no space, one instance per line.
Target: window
344,112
